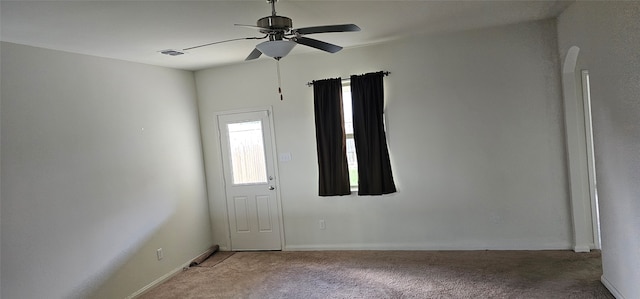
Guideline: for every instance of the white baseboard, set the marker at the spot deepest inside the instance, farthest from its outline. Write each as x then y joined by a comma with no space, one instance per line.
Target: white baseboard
418,246
164,278
158,281
582,248
611,288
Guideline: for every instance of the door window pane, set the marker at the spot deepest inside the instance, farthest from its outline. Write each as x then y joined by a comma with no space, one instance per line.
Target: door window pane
246,144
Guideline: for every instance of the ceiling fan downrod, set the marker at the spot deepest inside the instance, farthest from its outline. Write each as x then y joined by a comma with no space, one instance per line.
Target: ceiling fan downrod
274,25
273,6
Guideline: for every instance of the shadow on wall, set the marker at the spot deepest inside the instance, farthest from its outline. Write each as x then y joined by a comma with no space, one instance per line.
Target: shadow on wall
132,232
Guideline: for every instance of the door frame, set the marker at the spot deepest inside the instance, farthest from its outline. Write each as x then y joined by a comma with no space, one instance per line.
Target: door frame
591,164
276,171
576,147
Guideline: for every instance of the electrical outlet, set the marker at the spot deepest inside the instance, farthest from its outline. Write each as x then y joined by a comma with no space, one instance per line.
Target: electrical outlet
159,253
322,224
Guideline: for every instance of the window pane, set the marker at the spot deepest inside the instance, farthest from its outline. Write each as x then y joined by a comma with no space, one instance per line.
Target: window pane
346,106
246,144
352,161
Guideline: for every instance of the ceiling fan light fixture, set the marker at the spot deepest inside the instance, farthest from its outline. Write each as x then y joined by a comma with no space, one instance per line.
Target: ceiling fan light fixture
276,48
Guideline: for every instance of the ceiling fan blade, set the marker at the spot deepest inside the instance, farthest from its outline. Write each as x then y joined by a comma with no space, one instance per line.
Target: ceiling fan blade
225,41
328,28
248,26
254,54
314,43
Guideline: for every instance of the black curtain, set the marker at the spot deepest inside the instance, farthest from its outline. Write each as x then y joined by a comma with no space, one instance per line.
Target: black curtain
374,168
330,138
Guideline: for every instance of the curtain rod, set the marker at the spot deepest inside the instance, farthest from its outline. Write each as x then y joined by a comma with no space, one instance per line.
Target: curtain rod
385,73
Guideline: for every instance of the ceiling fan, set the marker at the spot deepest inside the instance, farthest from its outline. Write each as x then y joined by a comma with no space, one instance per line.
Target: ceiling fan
282,36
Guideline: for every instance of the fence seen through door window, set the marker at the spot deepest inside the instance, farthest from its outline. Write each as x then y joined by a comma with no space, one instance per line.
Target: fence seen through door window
247,153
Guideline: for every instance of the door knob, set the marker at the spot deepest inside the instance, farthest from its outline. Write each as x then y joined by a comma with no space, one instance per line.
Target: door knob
272,188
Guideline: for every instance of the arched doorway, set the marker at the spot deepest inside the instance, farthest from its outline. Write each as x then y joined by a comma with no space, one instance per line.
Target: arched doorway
579,144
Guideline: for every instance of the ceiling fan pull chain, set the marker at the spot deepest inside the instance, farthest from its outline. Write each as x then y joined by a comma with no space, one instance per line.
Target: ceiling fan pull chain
279,79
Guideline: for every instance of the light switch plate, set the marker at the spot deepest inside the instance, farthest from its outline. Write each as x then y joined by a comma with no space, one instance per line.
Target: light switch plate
285,157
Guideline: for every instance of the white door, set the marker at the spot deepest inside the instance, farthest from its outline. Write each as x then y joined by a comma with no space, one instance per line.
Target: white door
250,180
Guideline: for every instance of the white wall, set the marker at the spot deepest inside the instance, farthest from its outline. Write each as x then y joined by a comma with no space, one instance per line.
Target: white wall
608,35
475,133
0,183
87,195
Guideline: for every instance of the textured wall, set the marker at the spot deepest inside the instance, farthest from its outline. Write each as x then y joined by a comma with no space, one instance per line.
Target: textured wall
87,194
475,133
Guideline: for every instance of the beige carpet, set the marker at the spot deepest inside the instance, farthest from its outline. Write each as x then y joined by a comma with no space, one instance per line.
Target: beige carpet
390,274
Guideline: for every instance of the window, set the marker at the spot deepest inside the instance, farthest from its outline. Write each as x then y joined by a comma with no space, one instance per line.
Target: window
356,123
247,153
352,159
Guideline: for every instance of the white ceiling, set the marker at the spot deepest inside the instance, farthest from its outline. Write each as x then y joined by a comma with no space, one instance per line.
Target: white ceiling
138,30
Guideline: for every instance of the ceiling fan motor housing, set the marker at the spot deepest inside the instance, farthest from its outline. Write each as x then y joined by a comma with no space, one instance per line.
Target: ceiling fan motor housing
274,23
